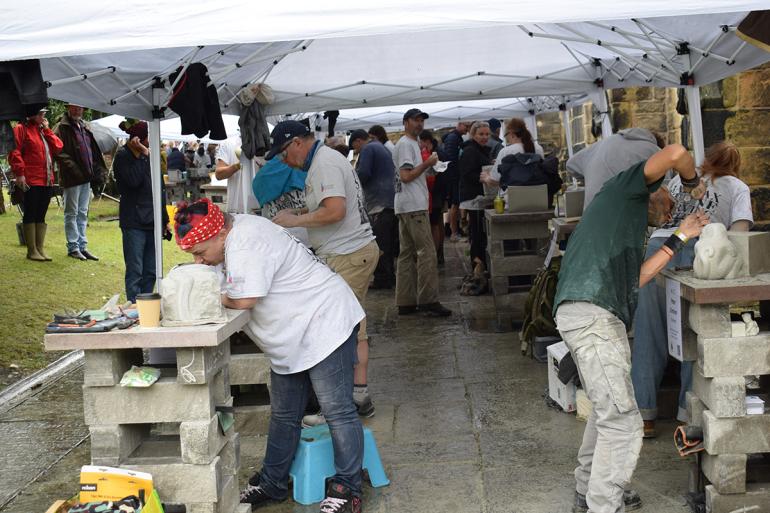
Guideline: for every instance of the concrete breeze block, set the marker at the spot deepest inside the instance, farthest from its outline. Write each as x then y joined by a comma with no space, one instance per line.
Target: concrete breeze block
198,365
695,408
740,356
249,369
104,368
737,435
757,494
182,483
228,501
201,441
710,320
724,396
727,472
112,444
754,249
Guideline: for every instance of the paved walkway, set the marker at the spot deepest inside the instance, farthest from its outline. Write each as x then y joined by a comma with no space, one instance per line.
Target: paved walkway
461,424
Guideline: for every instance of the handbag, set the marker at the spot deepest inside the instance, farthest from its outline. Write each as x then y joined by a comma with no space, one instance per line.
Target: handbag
16,193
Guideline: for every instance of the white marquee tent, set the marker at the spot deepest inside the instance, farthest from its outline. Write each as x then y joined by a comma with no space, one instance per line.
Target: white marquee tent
170,129
335,55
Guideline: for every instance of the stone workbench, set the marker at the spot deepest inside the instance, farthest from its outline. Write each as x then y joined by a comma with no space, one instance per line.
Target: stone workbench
171,429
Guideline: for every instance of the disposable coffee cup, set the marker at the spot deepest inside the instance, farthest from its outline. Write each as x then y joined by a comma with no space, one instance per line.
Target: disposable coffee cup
149,309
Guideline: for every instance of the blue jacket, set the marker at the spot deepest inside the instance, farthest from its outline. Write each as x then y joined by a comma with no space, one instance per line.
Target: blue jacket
377,175
452,142
175,160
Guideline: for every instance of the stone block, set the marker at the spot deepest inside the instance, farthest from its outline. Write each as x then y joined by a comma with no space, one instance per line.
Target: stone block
755,165
655,122
201,441
523,265
252,420
730,92
754,88
742,128
756,499
724,396
695,409
760,202
228,501
249,369
164,401
709,320
740,356
754,249
183,483
726,472
231,454
199,365
104,368
112,444
737,435
689,345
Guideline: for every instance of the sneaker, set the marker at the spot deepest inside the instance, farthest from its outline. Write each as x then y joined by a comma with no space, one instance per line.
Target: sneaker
309,421
649,429
407,310
339,499
365,407
254,494
435,310
631,501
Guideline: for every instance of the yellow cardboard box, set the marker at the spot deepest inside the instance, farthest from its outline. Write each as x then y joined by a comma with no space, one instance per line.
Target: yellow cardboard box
112,484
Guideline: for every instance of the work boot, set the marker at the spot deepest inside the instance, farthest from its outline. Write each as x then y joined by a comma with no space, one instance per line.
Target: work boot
30,240
40,229
407,310
649,429
631,501
339,499
434,310
254,494
365,407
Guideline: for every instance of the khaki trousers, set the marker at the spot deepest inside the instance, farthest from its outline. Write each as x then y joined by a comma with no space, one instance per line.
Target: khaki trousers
613,435
356,269
417,267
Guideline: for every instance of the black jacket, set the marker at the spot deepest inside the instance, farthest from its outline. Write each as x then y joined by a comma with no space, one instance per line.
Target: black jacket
197,103
72,170
473,157
451,144
132,175
175,160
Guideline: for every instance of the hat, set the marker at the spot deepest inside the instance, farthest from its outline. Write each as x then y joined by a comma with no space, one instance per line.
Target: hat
494,124
73,104
197,222
356,135
415,113
138,129
34,109
284,132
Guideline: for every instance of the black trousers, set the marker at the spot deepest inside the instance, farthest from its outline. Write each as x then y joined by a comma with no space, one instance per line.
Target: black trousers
36,201
478,236
385,228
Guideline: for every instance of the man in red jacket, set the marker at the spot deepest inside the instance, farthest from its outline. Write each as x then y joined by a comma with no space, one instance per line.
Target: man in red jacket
32,164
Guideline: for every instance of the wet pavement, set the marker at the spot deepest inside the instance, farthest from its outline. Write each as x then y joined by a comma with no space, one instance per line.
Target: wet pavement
461,424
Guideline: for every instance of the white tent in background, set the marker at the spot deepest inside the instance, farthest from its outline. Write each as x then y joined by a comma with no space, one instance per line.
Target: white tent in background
345,56
170,129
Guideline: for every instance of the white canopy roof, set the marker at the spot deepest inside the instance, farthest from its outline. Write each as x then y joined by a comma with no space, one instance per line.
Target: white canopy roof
170,129
345,57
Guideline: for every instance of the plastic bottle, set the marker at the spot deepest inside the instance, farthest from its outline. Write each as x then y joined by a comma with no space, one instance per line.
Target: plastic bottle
499,204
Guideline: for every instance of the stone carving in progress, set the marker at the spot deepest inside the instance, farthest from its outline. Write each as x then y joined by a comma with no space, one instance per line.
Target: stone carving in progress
716,257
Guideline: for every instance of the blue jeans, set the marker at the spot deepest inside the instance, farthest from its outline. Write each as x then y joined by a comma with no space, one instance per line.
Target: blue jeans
76,200
139,256
650,350
332,381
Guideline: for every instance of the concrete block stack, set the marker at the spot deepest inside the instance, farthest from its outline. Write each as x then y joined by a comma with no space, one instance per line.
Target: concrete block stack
173,428
736,445
250,379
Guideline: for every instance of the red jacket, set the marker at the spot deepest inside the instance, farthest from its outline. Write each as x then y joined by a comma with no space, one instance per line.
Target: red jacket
28,158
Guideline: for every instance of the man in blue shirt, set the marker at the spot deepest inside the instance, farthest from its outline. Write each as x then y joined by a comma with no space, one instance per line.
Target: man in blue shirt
376,173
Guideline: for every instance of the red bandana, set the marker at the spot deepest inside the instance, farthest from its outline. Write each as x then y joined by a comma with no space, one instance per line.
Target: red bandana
197,227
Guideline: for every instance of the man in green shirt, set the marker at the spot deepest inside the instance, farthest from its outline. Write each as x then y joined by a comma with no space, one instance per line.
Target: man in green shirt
600,277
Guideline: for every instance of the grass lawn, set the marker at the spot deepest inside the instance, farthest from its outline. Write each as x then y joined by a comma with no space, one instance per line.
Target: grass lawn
32,291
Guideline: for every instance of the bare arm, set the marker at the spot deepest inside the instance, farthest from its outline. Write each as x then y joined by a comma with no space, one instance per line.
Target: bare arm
224,171
673,156
331,210
246,303
740,226
408,175
691,227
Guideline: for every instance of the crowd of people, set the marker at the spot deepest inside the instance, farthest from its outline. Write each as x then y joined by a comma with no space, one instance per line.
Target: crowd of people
330,229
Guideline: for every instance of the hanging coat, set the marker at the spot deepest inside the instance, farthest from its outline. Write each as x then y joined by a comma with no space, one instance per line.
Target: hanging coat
197,103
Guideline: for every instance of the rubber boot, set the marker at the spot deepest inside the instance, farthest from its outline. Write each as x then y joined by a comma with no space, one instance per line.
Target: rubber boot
40,229
30,239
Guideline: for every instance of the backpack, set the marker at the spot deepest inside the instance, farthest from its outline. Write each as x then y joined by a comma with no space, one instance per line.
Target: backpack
531,169
538,309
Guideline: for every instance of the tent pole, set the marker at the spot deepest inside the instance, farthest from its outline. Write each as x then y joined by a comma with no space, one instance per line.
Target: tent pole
567,128
531,122
604,112
696,122
156,177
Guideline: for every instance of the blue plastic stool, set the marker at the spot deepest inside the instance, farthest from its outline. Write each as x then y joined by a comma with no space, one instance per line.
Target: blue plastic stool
314,462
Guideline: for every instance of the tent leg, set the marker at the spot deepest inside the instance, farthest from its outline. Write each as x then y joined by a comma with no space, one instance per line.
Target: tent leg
567,131
156,197
605,114
696,122
531,122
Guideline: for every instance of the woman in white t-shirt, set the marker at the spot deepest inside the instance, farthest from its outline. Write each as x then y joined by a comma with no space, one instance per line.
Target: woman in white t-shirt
726,200
518,139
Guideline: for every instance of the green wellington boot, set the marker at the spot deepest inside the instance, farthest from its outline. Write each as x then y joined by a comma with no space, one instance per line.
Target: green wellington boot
30,239
40,229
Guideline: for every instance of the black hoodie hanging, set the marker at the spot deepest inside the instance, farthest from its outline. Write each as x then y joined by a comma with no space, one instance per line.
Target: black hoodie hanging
197,103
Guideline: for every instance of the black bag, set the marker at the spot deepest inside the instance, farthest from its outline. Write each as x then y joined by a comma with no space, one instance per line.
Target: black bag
16,193
531,169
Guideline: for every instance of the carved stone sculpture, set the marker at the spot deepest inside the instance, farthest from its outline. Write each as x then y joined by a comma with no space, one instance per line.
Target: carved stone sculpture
716,258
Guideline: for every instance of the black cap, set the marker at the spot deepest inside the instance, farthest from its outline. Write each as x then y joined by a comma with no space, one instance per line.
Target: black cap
415,113
494,124
356,135
284,132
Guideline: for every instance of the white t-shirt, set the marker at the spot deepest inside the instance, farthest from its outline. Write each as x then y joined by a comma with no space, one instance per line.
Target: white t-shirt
304,312
511,149
331,175
726,201
390,146
240,182
411,196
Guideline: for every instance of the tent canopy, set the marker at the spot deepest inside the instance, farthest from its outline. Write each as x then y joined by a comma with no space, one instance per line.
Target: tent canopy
170,129
343,57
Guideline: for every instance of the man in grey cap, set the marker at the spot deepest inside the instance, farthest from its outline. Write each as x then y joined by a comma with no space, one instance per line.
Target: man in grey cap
494,142
417,270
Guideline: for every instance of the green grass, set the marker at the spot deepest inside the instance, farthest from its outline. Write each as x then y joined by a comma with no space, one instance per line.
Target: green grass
30,292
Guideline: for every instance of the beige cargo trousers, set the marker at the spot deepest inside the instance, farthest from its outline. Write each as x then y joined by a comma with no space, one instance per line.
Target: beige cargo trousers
613,435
